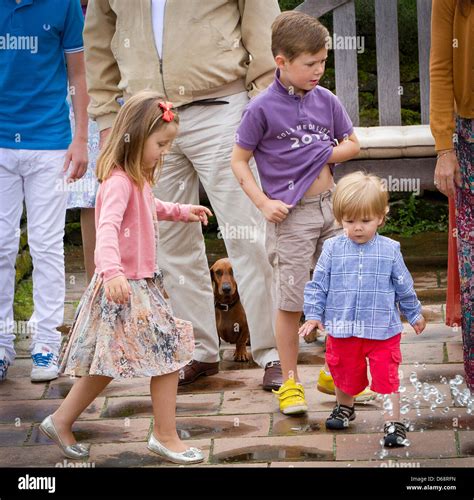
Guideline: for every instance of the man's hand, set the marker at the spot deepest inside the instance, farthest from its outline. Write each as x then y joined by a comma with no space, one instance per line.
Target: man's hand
447,173
199,213
76,154
419,326
309,326
118,290
275,210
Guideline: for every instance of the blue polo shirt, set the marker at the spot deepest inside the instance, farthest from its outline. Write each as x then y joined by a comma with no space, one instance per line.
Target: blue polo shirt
35,35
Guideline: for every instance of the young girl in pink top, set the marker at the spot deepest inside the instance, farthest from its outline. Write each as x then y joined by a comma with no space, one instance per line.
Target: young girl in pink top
124,327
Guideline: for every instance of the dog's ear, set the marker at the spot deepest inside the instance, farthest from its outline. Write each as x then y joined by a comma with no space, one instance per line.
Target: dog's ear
213,277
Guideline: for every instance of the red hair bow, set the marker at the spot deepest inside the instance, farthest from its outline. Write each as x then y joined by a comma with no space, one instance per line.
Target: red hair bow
166,106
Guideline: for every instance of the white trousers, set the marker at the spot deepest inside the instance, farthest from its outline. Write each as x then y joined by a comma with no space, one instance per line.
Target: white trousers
202,151
36,177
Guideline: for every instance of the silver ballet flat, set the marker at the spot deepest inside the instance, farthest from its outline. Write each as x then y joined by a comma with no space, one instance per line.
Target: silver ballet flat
75,451
190,456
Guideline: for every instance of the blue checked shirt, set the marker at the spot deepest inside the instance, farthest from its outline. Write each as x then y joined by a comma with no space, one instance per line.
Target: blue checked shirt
358,289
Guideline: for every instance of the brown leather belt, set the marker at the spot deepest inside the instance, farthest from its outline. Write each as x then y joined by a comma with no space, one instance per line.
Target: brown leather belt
202,102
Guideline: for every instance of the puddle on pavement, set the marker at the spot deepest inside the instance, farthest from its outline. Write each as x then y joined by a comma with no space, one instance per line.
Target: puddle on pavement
268,453
128,409
200,407
26,411
131,459
211,428
59,390
289,427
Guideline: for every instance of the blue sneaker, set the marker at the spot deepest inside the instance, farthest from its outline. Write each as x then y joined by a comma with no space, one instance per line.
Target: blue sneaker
4,364
45,364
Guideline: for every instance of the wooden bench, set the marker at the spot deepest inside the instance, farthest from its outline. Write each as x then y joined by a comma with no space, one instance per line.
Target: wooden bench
390,150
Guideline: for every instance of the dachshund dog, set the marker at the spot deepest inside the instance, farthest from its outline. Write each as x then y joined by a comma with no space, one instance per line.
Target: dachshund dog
230,315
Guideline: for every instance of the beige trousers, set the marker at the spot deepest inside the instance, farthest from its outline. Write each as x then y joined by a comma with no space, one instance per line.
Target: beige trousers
202,151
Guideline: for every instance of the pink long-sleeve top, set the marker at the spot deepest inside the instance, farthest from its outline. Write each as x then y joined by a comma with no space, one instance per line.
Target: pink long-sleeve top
125,242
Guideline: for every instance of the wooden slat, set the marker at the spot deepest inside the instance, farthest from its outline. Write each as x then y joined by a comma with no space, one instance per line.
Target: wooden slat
423,8
318,8
388,67
345,60
410,171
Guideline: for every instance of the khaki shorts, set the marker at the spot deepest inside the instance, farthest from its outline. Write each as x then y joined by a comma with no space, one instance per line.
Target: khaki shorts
294,246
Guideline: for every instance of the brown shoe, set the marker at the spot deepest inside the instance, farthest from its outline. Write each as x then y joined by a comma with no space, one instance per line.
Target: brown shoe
273,377
194,369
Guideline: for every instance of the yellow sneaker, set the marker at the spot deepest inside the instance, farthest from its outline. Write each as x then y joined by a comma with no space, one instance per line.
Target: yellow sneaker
291,397
326,385
365,395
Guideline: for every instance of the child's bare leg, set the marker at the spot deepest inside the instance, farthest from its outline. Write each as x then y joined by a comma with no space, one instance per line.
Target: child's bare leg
88,240
287,340
344,398
393,415
163,395
81,395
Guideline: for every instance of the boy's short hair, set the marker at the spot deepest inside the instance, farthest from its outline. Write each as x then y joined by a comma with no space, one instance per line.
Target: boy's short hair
294,33
360,195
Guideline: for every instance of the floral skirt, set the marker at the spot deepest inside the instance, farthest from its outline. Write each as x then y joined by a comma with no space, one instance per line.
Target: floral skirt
465,239
138,339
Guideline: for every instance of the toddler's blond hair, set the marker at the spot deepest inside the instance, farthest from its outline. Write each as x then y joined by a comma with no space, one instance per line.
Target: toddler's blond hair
360,195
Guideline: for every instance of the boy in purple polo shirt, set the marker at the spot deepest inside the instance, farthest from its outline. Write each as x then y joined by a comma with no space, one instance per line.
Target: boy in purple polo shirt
294,129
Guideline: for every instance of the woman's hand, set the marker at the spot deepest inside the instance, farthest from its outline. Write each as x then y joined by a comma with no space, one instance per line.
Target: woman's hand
447,173
275,210
77,154
199,213
419,326
118,290
309,326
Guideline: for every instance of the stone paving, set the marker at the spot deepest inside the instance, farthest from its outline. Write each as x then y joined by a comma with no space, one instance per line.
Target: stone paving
236,423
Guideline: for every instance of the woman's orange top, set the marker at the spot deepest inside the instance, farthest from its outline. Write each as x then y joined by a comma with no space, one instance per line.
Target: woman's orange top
451,69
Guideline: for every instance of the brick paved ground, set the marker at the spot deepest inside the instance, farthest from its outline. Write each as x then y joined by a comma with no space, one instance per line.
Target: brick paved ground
235,422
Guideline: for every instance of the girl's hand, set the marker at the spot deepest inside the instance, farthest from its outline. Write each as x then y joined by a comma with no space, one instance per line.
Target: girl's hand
309,326
275,210
199,213
420,325
77,154
118,290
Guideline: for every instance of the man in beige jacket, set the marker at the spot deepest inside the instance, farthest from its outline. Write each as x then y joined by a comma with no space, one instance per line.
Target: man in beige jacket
208,58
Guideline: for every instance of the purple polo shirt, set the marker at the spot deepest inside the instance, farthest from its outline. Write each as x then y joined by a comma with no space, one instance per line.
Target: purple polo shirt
291,137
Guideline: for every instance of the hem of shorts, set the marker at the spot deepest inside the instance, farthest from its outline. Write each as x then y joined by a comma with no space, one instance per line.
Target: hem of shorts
349,392
283,306
374,389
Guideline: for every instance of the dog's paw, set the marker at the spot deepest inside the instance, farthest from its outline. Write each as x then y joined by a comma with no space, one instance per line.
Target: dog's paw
241,356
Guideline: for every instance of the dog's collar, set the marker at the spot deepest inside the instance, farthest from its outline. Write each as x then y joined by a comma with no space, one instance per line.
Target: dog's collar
226,307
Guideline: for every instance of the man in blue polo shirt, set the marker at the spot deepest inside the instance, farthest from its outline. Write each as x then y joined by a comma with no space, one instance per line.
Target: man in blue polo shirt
41,48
